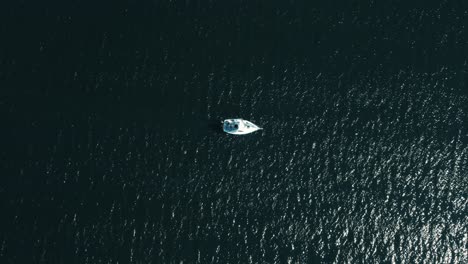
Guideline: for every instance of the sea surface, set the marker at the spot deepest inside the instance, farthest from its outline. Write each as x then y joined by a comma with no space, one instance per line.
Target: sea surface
111,149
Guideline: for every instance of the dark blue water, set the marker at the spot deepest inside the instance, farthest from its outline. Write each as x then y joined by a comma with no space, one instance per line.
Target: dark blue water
111,149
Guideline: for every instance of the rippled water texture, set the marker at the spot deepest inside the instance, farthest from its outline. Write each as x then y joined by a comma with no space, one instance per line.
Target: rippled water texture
113,152
377,173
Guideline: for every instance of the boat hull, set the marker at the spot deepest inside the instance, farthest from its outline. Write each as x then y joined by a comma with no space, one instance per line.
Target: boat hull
239,126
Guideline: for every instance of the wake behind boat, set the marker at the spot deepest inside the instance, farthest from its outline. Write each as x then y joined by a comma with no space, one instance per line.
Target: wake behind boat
238,126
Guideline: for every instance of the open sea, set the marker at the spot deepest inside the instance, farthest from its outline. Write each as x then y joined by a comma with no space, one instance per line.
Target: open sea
111,149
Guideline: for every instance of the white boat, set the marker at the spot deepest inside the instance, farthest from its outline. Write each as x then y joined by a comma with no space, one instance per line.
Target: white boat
238,126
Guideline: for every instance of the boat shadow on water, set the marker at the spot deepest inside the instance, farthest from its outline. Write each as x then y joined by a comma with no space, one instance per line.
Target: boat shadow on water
215,126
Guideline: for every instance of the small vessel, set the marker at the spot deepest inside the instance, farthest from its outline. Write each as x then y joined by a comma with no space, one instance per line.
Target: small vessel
238,126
